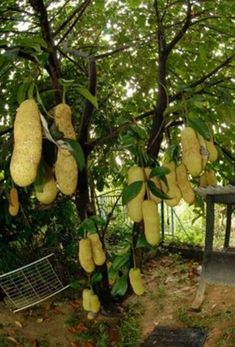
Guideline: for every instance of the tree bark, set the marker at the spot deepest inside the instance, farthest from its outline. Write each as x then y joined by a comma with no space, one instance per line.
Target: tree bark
52,66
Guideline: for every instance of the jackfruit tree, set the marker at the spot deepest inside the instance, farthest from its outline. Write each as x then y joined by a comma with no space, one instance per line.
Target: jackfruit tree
97,93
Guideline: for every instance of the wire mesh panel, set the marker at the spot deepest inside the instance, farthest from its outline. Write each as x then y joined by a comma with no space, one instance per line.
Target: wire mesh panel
31,284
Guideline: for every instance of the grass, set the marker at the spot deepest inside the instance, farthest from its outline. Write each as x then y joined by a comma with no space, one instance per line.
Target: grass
130,327
203,320
227,339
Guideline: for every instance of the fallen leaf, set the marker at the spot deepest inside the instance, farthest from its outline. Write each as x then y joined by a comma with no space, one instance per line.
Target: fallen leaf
19,324
75,344
12,339
75,304
80,328
89,344
57,310
71,330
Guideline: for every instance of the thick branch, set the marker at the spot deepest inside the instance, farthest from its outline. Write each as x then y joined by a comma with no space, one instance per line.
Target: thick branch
161,32
157,129
72,15
53,67
88,109
183,30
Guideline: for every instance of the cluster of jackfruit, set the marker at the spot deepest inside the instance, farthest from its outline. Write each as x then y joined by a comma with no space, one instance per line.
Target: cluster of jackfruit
140,209
197,152
91,252
90,302
27,152
144,206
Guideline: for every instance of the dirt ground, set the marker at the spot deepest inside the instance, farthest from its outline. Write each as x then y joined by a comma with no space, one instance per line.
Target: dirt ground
170,286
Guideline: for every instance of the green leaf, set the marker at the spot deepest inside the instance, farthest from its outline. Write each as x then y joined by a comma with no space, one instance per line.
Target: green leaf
142,242
120,287
159,171
55,133
157,192
21,92
199,126
175,108
88,225
76,284
65,82
131,191
77,152
135,3
96,277
31,90
86,93
120,261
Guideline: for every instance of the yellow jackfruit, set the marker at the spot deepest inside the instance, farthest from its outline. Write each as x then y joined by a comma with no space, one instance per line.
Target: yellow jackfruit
136,281
203,180
172,190
95,303
85,255
27,144
49,190
184,184
134,208
208,178
98,253
211,178
213,153
63,120
203,150
191,155
151,222
86,299
13,202
66,170
157,183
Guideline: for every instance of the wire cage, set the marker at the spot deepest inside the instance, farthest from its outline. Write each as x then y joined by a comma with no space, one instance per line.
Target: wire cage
31,284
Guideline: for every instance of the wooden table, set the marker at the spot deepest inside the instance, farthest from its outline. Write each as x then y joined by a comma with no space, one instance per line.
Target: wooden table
218,266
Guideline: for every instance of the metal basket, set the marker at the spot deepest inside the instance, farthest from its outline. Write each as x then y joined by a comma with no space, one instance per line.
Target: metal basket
31,284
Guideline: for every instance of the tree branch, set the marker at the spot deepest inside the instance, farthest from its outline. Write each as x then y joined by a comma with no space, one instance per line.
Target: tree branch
120,129
72,15
83,9
225,151
160,33
53,66
6,131
183,30
88,108
71,60
212,73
